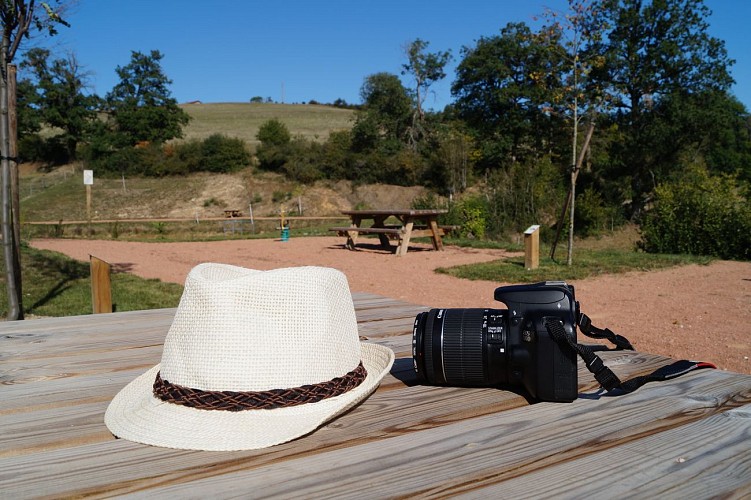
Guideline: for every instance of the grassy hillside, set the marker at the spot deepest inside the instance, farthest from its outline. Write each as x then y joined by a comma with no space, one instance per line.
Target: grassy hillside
242,120
60,194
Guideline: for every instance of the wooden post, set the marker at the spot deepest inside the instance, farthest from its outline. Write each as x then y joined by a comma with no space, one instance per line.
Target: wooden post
532,247
101,288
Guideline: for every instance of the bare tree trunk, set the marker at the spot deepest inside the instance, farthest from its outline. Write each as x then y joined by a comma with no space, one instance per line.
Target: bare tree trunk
15,184
572,189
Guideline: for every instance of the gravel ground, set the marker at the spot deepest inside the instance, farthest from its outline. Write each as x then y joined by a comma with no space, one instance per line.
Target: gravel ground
693,312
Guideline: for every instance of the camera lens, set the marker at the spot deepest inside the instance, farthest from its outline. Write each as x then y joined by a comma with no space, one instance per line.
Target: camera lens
460,346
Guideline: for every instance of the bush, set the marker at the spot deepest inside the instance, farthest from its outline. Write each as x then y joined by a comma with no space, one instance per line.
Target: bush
471,215
699,215
224,154
523,194
216,153
592,216
273,133
51,151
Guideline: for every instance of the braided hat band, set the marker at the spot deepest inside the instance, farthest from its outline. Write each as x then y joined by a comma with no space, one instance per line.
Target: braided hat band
257,400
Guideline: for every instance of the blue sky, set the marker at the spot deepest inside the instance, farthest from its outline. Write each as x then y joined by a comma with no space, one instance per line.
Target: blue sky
295,50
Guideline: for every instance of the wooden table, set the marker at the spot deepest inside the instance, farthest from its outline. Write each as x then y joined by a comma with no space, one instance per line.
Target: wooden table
412,223
687,437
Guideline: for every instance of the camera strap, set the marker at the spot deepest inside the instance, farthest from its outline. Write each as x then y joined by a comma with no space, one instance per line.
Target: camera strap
604,375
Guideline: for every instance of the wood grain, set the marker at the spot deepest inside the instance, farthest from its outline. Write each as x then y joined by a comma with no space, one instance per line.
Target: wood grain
688,436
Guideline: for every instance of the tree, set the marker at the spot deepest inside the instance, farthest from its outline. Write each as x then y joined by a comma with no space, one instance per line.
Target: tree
386,113
709,128
60,100
503,86
569,35
141,105
426,68
651,50
275,139
18,17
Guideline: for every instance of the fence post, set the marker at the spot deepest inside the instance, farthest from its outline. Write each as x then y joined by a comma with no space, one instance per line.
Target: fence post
101,289
532,247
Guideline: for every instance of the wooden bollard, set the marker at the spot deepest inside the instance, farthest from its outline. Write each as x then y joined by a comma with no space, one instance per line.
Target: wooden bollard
101,288
532,247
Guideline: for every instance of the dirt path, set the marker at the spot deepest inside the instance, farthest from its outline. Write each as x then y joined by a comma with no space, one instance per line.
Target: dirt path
694,312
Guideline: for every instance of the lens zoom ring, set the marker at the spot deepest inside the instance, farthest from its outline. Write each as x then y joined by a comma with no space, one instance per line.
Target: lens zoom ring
463,346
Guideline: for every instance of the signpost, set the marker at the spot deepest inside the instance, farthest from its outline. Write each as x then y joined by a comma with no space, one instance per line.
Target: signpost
532,247
88,181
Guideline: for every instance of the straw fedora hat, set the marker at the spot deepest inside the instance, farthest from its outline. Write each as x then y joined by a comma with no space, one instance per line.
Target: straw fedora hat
252,359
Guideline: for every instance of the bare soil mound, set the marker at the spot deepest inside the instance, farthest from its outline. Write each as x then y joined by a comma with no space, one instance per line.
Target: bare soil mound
692,312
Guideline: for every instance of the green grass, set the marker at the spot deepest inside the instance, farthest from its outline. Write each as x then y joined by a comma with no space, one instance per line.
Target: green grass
587,263
242,120
55,285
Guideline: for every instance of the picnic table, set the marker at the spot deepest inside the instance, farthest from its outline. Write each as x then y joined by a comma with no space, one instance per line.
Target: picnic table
412,223
690,436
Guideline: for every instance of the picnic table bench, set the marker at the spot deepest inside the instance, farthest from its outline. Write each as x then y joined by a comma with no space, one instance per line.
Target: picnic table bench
689,436
413,223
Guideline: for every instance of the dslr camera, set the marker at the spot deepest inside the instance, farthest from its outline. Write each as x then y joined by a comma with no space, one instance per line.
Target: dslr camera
496,347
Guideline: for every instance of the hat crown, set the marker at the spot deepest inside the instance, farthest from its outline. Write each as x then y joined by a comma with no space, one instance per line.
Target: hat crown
237,329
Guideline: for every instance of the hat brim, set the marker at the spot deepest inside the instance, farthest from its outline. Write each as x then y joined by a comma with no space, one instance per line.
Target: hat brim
137,415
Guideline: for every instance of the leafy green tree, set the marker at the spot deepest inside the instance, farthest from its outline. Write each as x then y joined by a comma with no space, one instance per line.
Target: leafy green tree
60,100
710,127
386,114
141,105
503,87
426,68
652,50
18,18
274,150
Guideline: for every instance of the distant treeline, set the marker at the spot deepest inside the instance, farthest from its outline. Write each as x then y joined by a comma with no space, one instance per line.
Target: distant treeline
670,149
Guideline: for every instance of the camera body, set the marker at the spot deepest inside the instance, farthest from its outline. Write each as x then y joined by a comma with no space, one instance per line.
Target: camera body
545,368
487,347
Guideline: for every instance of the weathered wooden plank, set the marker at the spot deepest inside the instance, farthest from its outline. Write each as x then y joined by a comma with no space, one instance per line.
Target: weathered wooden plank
48,393
376,330
400,431
23,371
62,336
707,458
462,457
38,427
53,428
123,466
56,337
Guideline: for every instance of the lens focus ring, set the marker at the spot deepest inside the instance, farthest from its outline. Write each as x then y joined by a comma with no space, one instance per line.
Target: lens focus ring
463,346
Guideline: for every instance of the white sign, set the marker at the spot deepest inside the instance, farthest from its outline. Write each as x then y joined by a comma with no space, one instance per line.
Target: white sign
532,229
88,177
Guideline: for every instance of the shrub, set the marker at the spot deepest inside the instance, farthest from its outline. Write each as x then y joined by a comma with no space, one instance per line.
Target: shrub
471,215
224,154
699,215
273,133
592,215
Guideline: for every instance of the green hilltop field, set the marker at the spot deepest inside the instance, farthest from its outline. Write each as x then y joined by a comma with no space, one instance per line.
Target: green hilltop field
242,120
